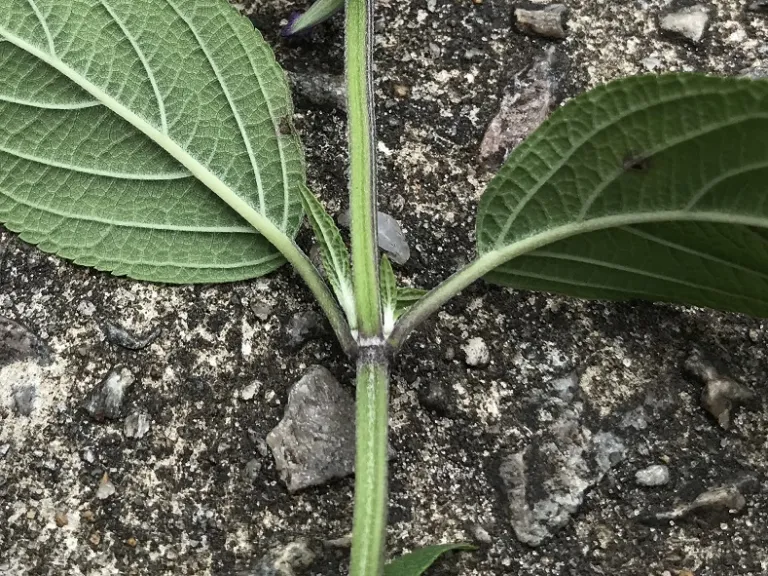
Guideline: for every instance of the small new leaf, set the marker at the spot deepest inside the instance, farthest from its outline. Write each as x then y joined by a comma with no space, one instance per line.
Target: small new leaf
416,562
407,297
389,293
318,13
333,252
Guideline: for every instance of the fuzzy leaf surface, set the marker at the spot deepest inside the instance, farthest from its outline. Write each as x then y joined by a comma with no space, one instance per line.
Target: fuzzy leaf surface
416,562
150,139
647,187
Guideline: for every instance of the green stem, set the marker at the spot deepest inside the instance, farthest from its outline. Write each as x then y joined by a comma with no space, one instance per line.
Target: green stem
370,521
362,159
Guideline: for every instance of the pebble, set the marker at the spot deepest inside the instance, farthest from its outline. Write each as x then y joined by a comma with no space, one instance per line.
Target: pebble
721,395
136,425
249,391
635,418
285,560
106,400
252,469
4,448
106,488
656,475
261,310
315,440
689,23
61,518
18,343
476,353
548,21
391,238
119,336
713,504
24,397
86,308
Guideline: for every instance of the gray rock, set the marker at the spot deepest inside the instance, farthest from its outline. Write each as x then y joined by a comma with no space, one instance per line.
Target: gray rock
86,308
105,489
315,440
548,21
252,469
286,560
24,397
136,425
391,237
758,6
656,475
249,391
319,90
261,310
303,327
106,400
476,353
635,419
19,343
689,23
4,448
119,336
755,73
542,498
714,504
721,395
526,103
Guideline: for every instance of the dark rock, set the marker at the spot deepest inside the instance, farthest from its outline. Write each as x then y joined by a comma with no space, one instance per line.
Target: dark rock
315,440
390,237
121,337
303,327
19,343
689,23
315,90
106,400
548,21
526,103
24,397
546,482
721,395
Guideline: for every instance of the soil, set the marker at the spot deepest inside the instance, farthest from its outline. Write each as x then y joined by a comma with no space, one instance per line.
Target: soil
183,503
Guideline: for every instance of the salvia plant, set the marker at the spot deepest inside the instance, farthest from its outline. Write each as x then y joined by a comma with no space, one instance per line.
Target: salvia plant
154,140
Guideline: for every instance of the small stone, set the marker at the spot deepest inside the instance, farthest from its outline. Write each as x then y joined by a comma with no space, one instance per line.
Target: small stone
324,91
481,535
86,308
713,505
4,448
24,397
88,516
119,336
106,400
252,469
476,353
689,23
136,425
248,392
635,419
131,542
95,539
303,327
656,475
285,560
261,310
61,518
19,343
548,21
391,238
721,395
401,90
315,440
106,488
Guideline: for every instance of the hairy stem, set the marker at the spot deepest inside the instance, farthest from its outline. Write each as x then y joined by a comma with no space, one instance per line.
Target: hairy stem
362,158
370,522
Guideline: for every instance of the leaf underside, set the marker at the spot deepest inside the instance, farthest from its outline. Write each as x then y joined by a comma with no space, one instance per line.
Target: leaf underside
117,120
648,187
416,562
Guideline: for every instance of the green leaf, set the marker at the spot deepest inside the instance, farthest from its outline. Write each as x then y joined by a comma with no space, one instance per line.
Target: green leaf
318,13
648,187
151,139
416,562
333,251
407,297
389,293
